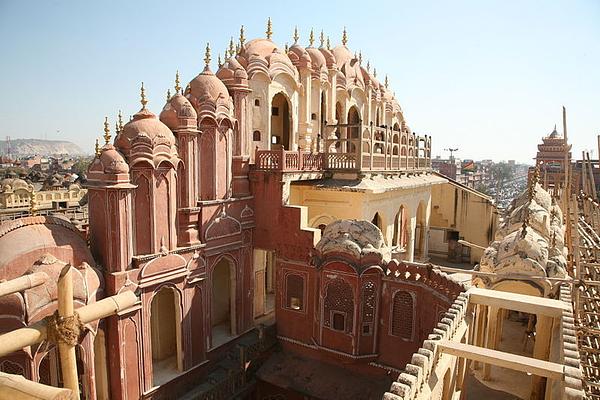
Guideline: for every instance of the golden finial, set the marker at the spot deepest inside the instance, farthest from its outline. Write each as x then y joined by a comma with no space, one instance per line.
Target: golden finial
219,62
311,38
231,47
368,65
237,49
97,148
106,131
328,44
242,38
374,72
117,128
344,37
286,48
269,31
386,81
188,89
143,97
177,86
296,36
322,39
120,118
32,203
360,58
168,98
207,56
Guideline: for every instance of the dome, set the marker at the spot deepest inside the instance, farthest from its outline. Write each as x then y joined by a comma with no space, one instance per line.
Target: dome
144,124
299,56
554,134
109,162
207,87
177,107
233,74
259,47
24,240
342,55
12,184
317,58
329,57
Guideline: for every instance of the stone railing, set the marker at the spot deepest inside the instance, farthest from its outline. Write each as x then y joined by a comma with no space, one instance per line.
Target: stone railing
288,161
409,383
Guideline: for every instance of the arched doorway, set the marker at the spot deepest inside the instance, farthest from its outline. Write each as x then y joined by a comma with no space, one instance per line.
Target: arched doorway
338,116
165,334
323,121
223,302
378,222
280,123
354,129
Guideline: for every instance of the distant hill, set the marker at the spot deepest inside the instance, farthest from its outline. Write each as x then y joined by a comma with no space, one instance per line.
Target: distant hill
30,147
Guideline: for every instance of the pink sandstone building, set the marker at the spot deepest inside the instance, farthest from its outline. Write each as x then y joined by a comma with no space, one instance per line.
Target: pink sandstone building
239,216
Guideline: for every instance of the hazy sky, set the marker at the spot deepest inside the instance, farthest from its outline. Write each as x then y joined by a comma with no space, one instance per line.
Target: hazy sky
488,77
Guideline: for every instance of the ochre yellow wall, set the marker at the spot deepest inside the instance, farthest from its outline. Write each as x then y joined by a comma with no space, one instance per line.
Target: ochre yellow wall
473,215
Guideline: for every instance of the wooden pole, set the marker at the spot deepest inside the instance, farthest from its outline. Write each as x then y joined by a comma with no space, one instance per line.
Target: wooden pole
66,351
16,387
36,333
22,283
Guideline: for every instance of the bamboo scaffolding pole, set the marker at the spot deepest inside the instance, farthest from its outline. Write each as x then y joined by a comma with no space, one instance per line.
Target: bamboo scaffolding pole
16,387
22,283
36,333
68,362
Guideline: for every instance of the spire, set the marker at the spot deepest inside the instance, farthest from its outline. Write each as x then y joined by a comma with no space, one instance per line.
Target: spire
328,44
106,131
207,57
296,36
97,148
368,65
177,83
344,37
168,98
231,48
143,97
219,61
286,48
269,30
386,81
311,38
242,37
359,57
321,39
374,72
120,118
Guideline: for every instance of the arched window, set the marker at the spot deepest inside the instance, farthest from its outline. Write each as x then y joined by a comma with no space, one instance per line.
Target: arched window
294,291
339,306
403,315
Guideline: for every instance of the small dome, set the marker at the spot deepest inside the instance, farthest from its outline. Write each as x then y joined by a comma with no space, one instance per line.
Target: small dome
342,55
177,107
208,87
232,73
554,134
317,58
259,47
299,56
145,124
112,161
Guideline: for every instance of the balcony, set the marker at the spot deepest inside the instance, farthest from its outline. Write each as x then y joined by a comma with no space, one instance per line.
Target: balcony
380,149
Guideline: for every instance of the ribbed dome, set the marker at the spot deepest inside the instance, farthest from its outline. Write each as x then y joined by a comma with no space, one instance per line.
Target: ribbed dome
317,58
259,47
144,123
177,107
112,161
207,87
342,55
